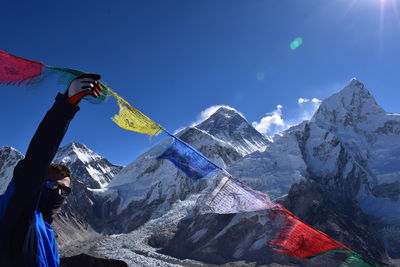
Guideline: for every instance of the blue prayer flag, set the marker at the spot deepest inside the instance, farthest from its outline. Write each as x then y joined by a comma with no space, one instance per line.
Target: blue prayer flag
189,160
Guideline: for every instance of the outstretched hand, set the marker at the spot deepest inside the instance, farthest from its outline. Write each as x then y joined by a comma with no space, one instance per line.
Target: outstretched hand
85,84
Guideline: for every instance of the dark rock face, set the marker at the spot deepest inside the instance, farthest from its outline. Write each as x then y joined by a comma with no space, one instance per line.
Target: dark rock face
219,239
83,260
77,221
390,190
308,201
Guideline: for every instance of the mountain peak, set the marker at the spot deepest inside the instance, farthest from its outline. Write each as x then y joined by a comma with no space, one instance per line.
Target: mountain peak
354,82
230,125
8,149
227,112
75,145
351,106
90,168
221,117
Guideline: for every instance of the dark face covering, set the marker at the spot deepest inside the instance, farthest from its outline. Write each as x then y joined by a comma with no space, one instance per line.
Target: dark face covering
49,203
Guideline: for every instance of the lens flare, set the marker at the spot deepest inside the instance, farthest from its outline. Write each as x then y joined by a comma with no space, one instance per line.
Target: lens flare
296,43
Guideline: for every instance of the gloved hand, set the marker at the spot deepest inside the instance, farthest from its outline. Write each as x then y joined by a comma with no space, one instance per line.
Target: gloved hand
85,84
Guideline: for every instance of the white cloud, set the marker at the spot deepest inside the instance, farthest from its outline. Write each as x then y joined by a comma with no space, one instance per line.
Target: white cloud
302,100
272,123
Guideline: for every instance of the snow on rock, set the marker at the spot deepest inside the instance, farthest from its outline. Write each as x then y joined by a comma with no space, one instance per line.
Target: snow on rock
352,108
88,167
277,168
371,138
9,158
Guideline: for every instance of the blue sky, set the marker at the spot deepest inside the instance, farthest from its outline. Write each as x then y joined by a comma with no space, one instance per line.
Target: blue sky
174,59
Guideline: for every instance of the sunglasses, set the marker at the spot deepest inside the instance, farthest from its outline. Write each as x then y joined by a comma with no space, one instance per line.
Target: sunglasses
52,185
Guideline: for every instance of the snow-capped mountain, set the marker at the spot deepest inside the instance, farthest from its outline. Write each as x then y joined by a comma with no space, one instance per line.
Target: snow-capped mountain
338,172
89,168
350,148
370,138
328,156
148,187
9,158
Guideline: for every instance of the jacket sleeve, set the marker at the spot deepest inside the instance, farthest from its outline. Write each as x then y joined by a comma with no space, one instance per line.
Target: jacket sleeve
30,171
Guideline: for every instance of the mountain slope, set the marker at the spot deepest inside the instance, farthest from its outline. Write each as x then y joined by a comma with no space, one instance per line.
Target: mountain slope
9,158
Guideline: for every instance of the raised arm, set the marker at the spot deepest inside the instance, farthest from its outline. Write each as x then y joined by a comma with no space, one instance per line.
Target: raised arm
18,205
33,168
31,171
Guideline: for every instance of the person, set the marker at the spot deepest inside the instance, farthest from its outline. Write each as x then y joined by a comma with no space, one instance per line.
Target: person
38,188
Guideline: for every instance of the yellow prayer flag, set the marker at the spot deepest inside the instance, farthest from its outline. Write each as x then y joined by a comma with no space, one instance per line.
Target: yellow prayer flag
132,119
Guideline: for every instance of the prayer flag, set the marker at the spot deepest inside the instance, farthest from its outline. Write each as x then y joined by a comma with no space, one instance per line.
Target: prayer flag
232,196
132,119
298,239
189,160
352,258
15,70
355,260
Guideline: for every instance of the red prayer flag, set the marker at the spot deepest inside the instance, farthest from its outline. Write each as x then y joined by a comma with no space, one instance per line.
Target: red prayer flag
298,239
15,70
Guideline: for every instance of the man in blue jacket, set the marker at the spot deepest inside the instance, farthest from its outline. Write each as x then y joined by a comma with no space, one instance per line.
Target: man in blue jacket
38,188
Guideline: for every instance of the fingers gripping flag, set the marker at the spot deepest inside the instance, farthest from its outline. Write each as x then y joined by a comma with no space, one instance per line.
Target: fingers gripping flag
189,160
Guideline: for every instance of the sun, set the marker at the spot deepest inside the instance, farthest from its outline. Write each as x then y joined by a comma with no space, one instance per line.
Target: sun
382,6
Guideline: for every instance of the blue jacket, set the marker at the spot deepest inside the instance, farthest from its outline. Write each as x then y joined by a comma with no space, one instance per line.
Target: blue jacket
25,238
